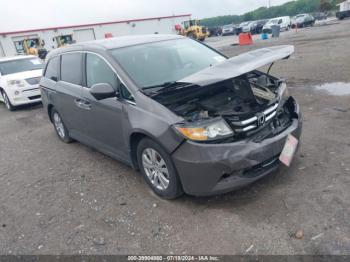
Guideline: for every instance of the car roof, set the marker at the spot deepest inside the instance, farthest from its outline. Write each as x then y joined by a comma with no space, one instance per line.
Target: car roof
124,41
18,57
114,43
281,17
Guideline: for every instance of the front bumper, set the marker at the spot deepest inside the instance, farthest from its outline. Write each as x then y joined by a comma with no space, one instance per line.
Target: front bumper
208,169
229,32
23,96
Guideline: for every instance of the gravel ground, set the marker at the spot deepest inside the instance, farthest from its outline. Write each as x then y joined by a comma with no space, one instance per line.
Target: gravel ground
69,199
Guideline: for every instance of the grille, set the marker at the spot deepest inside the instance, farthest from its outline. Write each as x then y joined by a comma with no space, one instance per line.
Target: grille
256,121
31,90
262,167
34,97
33,81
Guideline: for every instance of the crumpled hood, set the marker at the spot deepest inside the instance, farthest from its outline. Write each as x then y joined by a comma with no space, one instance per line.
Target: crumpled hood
239,65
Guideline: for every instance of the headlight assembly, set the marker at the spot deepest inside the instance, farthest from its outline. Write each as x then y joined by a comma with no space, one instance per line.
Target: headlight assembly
283,92
16,83
205,131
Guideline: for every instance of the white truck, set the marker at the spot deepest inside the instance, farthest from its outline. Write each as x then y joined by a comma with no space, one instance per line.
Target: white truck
344,10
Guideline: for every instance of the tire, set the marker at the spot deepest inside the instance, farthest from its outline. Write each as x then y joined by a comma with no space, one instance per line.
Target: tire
164,181
7,101
61,130
191,35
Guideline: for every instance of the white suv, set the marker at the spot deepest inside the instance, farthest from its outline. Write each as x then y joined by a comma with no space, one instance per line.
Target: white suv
19,80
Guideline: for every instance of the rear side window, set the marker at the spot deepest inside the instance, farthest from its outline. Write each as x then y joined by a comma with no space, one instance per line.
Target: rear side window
71,68
52,69
98,71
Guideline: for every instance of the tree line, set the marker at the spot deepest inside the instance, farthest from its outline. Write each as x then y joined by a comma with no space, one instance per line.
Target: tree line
288,9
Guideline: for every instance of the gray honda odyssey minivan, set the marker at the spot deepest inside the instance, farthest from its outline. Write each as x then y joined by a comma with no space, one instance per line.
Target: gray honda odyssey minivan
189,118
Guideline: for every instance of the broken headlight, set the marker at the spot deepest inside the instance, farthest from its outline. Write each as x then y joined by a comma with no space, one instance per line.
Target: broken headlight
283,92
205,130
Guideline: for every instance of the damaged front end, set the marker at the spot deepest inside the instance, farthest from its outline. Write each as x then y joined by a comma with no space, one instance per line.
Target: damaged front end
236,121
222,106
233,109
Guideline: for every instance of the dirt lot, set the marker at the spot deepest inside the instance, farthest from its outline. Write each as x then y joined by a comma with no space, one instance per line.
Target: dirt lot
69,199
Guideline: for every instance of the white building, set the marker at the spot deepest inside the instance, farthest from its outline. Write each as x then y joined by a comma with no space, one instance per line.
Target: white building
344,6
13,43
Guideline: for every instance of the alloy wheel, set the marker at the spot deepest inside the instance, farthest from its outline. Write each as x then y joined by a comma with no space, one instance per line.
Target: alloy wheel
155,169
7,101
59,125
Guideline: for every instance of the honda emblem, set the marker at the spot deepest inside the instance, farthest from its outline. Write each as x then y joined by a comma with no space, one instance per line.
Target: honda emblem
261,119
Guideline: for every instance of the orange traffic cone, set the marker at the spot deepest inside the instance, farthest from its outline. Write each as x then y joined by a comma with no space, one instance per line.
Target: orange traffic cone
245,39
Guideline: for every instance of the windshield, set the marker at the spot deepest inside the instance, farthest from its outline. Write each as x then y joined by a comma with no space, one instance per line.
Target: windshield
163,62
228,26
20,65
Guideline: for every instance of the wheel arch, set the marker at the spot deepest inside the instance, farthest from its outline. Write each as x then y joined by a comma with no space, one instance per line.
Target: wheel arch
49,110
134,140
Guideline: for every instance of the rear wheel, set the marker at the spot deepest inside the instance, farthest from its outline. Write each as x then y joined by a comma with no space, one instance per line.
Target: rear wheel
191,35
7,101
158,169
60,128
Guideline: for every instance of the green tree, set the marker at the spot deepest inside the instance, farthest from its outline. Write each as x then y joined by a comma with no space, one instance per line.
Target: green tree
325,5
288,9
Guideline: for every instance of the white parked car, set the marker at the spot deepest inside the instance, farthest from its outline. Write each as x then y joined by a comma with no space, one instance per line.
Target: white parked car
247,28
19,80
284,22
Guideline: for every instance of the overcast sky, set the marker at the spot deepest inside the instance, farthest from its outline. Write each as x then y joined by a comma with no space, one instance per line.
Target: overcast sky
31,14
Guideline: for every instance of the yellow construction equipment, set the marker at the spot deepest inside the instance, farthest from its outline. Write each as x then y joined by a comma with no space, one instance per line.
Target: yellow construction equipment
28,46
193,29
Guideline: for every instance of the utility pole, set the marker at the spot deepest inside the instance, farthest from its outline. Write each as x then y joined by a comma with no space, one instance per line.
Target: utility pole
269,4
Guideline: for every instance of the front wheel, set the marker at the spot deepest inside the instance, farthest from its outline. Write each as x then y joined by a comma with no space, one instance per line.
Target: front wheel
60,128
191,35
7,101
158,169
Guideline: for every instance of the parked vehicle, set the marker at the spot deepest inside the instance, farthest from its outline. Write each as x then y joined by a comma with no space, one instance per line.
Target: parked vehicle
19,80
344,10
228,30
257,28
190,119
320,15
247,27
215,31
303,20
284,23
254,27
242,26
193,29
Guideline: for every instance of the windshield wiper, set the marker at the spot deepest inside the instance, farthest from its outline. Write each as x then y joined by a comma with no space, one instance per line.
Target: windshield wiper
164,85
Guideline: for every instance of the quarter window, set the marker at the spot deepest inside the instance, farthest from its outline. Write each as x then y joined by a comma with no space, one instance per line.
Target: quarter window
71,68
52,69
126,94
98,71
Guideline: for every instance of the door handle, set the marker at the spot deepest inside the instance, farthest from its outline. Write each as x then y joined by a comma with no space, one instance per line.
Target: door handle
83,104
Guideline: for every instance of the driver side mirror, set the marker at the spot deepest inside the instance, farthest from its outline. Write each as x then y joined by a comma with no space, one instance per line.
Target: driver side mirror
102,91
